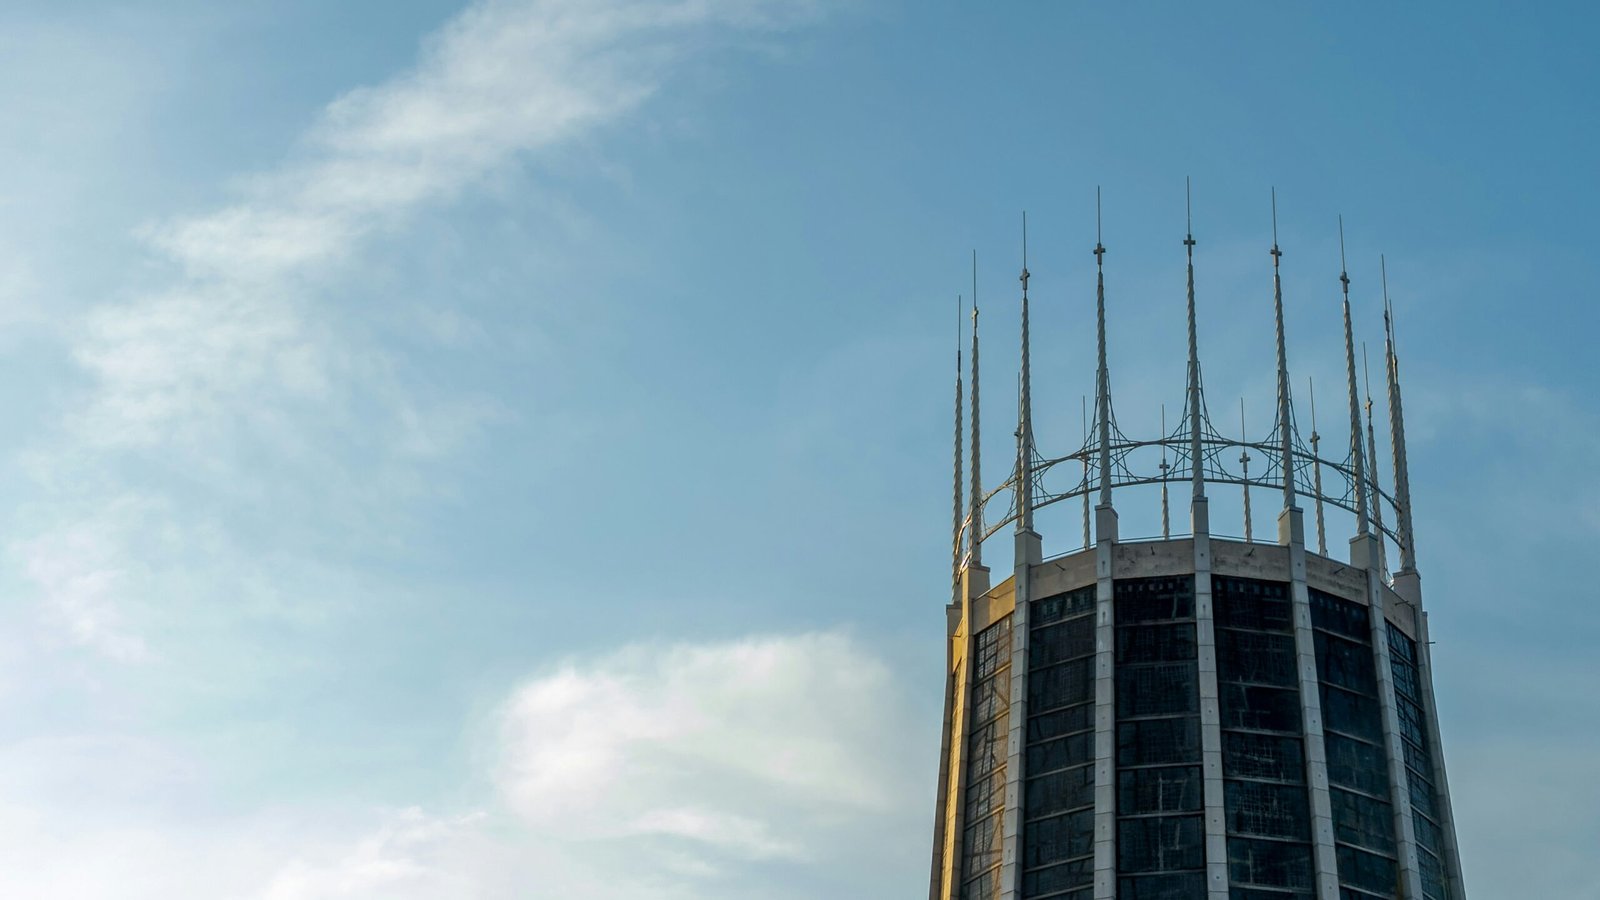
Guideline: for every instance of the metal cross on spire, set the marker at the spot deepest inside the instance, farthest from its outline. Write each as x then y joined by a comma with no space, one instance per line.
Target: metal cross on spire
1358,470
1024,408
955,526
1103,382
975,523
1285,426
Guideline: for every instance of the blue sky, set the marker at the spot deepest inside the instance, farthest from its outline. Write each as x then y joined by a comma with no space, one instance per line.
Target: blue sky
501,449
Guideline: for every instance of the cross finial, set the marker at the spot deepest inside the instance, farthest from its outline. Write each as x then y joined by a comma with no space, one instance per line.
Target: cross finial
1276,253
1188,217
1024,278
1099,248
1344,276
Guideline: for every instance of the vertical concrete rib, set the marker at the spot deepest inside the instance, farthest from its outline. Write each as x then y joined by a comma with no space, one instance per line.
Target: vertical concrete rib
1364,555
1105,635
941,810
1028,555
1447,820
975,584
1105,720
1292,534
1217,884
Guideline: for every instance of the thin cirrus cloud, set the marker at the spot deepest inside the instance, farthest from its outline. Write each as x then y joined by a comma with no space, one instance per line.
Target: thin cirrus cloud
501,81
241,378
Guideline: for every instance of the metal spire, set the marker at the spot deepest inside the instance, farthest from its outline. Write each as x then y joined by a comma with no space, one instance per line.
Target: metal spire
975,515
1024,408
1397,435
1195,457
1166,520
1103,382
1284,426
1372,456
1357,467
955,524
1244,460
1316,469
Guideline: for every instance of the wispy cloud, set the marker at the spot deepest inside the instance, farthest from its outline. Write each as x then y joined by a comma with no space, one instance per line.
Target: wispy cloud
242,380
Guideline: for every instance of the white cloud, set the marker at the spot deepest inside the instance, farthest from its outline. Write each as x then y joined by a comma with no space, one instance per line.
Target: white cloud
244,385
501,81
697,771
740,748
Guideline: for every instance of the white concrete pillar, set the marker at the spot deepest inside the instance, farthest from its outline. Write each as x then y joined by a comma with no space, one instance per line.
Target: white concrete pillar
1105,710
1028,555
1292,534
975,585
1364,555
1408,584
1216,820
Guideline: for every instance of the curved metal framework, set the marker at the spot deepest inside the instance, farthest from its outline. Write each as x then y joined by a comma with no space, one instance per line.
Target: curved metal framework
1215,459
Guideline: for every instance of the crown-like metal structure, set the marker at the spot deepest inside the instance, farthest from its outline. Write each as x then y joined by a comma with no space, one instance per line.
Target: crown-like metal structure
1195,451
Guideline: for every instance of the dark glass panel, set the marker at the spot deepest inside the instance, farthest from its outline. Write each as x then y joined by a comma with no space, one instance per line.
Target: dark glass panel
1059,791
1158,742
1156,643
981,844
986,750
1160,844
1062,606
1065,684
993,649
1166,790
1247,603
1072,750
1411,727
1157,690
1356,764
990,698
984,887
1362,821
1422,797
1368,871
1043,726
1340,616
1258,658
1267,810
1246,893
1062,641
1400,646
1352,714
1260,708
1417,760
1428,835
1053,840
1185,886
1154,599
1346,663
1433,887
1246,755
985,795
1063,877
1270,864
